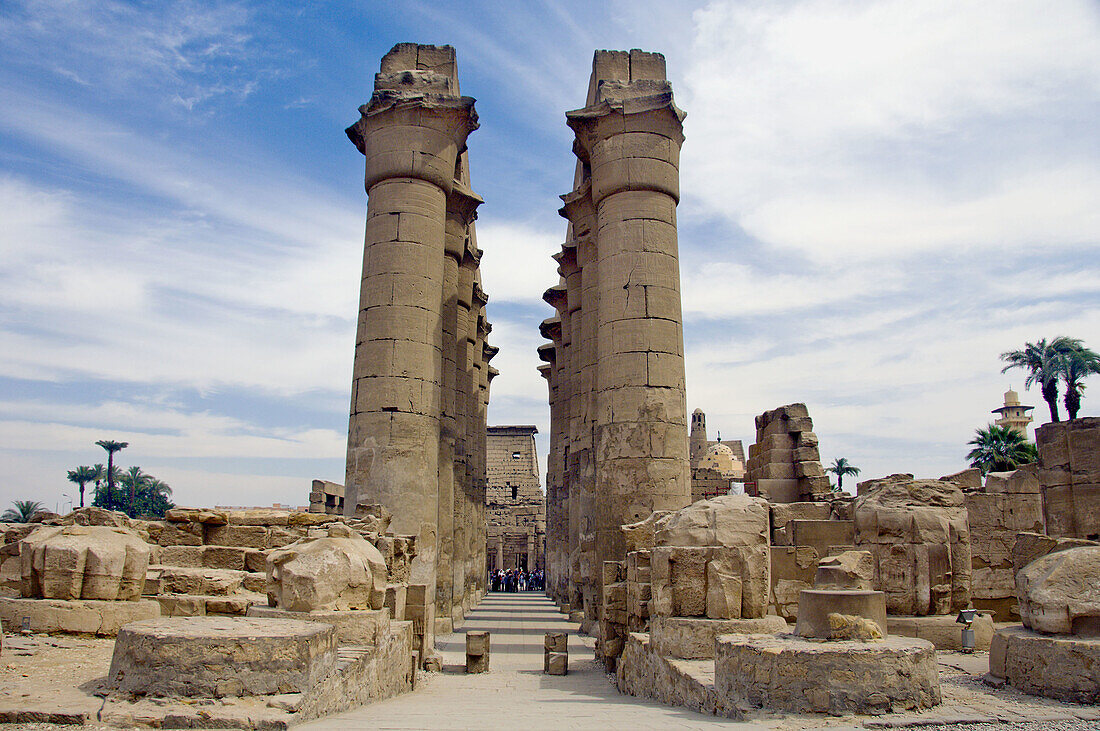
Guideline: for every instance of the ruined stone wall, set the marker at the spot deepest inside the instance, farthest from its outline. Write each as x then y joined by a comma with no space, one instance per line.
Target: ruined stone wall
1007,504
515,505
326,497
421,372
784,464
1069,474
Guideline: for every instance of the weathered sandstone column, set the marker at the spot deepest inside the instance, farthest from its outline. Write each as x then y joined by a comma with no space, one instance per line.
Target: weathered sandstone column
463,521
461,212
393,435
629,136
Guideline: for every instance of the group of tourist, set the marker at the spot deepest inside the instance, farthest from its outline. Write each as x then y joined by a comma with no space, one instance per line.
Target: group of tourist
516,580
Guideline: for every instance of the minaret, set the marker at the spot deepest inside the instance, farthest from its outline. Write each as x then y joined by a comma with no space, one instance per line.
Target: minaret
1014,414
697,443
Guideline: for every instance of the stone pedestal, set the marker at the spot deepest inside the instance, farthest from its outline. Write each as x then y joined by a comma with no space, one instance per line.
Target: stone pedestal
214,657
555,647
1065,667
477,652
815,606
787,673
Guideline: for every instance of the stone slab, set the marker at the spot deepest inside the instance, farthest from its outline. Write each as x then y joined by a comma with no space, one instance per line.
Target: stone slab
353,626
942,630
692,638
1064,667
79,616
215,657
787,673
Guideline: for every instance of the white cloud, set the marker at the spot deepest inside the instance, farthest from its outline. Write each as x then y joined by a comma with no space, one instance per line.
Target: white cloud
516,265
870,130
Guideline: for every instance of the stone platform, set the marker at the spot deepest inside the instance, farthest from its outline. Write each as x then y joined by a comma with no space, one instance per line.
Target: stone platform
788,673
1064,667
942,630
215,657
76,616
692,638
353,626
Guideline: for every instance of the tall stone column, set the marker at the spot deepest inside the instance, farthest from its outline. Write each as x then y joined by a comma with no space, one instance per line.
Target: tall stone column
489,374
463,521
629,137
556,505
410,133
461,212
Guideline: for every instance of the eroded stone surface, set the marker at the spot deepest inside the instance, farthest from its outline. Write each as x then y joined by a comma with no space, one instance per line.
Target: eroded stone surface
917,532
1059,666
339,571
221,656
83,562
786,673
1060,593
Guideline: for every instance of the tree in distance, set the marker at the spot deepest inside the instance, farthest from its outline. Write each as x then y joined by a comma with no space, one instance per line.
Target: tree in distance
1078,364
1000,449
82,476
111,447
841,467
1063,358
21,511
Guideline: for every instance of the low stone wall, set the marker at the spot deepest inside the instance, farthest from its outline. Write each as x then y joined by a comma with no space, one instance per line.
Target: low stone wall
79,616
643,673
1065,667
365,675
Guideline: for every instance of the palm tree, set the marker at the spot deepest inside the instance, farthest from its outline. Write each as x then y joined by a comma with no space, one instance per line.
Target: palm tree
153,499
23,511
111,447
1044,363
1000,449
135,480
1078,364
82,475
840,467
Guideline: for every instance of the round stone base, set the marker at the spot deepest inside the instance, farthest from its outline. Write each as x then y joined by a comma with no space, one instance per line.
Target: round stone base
815,606
221,656
1065,667
788,673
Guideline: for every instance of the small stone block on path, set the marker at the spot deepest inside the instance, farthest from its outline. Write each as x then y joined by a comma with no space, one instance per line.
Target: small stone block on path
557,663
477,652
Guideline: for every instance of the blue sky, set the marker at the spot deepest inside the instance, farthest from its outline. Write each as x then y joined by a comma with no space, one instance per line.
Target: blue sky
877,199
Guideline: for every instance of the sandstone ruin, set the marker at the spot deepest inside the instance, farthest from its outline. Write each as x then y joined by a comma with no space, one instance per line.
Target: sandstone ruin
416,437
616,377
783,597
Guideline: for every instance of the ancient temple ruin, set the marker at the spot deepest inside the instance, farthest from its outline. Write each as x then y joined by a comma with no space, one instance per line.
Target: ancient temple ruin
420,389
616,365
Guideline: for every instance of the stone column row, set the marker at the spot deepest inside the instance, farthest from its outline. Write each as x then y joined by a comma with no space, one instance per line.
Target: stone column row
618,404
420,385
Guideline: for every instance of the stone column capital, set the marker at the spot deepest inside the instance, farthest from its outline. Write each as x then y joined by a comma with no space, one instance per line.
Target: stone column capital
546,371
413,128
548,352
550,328
462,203
566,258
480,299
493,373
555,297
627,106
577,203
